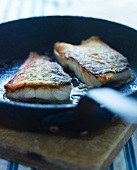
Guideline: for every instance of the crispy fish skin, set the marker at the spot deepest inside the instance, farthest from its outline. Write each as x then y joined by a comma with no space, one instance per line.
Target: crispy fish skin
39,78
94,62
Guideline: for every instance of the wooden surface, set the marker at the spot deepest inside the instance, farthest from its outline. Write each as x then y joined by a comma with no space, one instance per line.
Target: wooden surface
94,151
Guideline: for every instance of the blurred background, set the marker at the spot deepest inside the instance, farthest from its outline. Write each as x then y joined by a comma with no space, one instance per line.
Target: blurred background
121,11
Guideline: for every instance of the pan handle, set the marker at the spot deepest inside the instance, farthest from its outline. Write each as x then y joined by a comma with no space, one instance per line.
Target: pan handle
118,104
95,110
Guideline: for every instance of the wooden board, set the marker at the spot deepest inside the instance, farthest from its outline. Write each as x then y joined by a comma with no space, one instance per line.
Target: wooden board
94,151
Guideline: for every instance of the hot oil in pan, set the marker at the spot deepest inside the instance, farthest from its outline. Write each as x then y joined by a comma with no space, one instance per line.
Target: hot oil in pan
9,68
7,71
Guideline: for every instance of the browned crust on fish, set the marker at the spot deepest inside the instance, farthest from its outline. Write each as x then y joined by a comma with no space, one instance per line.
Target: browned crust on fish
38,71
94,59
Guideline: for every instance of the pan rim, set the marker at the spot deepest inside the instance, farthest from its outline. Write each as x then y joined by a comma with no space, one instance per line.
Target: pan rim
35,105
54,106
68,16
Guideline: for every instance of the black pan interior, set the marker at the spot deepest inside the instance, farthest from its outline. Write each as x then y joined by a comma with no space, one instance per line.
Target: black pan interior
39,34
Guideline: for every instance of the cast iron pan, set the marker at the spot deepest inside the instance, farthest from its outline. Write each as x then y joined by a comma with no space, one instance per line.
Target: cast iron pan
18,38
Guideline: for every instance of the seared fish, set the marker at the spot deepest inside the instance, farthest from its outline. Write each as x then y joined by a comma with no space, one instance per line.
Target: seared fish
39,78
94,62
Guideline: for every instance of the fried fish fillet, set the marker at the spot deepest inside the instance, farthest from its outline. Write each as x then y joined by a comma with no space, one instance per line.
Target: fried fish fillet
94,62
39,78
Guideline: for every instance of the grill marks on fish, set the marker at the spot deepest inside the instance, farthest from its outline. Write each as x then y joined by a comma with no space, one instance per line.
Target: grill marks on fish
94,62
39,78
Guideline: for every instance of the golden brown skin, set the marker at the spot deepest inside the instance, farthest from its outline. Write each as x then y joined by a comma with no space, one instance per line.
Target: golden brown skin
94,62
36,76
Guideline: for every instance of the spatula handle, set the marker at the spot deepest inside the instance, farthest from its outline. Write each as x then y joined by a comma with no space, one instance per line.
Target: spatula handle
123,106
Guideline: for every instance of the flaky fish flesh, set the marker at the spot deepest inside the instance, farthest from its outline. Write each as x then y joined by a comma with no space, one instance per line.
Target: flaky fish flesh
94,62
39,78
